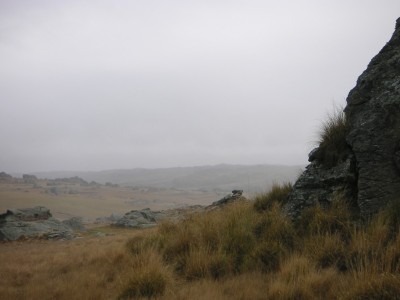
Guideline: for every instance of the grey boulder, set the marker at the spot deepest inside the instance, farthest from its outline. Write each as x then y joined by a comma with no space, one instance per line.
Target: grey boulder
140,218
34,222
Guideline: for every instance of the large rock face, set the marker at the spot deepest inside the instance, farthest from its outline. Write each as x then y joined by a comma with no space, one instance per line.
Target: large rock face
373,113
371,173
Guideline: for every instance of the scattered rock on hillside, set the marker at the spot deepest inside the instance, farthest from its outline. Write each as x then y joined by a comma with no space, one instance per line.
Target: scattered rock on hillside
75,223
29,178
5,177
370,172
140,218
109,220
34,222
234,196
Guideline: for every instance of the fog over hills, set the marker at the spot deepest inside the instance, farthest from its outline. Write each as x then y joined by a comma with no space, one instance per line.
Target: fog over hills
252,179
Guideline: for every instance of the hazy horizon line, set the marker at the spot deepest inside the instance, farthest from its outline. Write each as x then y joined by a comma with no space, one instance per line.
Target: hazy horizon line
154,168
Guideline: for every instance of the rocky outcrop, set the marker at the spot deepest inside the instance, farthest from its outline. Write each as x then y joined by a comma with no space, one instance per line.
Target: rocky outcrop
370,172
140,218
373,114
34,222
234,196
318,184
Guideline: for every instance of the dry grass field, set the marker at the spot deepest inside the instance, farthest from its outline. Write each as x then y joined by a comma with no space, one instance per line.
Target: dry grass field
253,251
233,253
100,268
245,250
86,268
90,202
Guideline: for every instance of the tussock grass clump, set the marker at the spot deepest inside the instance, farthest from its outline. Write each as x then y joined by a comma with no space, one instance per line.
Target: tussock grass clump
277,194
373,286
333,147
205,263
222,243
274,225
145,284
299,278
336,218
149,276
376,248
208,245
327,251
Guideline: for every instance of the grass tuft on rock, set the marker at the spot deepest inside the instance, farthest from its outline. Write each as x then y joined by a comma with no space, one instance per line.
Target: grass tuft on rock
333,147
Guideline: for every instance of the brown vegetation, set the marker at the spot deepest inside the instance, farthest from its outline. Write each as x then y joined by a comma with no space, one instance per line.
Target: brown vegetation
87,268
237,252
333,147
324,254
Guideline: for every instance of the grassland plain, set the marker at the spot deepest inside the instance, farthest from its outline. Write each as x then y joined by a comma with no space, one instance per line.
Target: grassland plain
90,202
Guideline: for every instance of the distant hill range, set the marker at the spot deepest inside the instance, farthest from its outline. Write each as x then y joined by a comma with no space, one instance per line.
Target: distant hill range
252,179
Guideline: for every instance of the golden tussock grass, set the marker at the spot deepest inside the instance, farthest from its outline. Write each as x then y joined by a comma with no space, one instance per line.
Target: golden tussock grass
325,254
237,252
89,268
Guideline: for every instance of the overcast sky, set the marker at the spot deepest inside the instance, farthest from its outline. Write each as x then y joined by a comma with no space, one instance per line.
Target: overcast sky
94,85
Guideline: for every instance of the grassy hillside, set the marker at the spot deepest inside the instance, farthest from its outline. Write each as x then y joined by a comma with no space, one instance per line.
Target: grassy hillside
325,254
247,250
